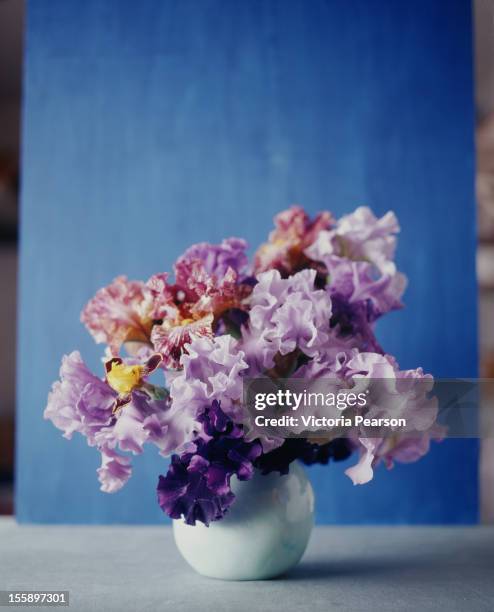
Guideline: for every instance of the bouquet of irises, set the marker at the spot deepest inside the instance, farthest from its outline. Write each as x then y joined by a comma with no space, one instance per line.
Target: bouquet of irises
178,350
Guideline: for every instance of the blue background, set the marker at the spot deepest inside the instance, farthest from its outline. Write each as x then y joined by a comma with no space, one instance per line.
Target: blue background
152,125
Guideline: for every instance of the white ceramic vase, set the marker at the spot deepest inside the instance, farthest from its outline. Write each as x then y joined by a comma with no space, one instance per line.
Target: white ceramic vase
264,534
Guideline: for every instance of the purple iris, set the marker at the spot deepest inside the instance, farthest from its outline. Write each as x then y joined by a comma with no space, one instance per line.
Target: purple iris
280,458
197,484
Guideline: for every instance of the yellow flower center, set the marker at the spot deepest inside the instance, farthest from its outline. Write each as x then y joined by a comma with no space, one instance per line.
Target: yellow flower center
123,378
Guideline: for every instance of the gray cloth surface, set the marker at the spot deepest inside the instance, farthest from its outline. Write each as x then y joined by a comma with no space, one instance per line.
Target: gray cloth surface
345,568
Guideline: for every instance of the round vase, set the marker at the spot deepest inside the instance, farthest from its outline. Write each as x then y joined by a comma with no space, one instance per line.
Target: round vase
263,535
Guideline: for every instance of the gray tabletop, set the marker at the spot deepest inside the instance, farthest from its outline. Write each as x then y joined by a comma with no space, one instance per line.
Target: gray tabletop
344,568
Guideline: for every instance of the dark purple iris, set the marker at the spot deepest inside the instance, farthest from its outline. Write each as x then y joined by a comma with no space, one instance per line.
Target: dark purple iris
197,484
279,459
355,319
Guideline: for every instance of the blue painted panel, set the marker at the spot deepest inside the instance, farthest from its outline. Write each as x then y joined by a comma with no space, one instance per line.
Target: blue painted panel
152,125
